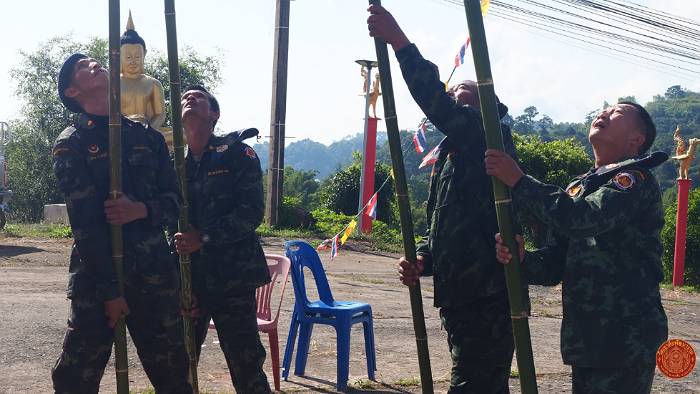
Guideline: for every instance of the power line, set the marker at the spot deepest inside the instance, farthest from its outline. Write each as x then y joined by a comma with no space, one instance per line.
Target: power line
585,20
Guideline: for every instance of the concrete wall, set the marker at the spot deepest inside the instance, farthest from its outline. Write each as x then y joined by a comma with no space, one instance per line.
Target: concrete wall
55,213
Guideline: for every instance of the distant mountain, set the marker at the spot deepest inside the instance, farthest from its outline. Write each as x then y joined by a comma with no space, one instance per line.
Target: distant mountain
311,155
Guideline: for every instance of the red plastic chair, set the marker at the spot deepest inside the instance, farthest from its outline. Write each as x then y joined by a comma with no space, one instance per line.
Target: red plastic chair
278,267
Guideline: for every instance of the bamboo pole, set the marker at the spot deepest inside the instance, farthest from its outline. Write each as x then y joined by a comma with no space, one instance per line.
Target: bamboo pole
183,222
121,362
494,140
409,246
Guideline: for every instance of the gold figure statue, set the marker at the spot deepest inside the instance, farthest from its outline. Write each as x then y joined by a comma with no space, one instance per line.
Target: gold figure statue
363,72
374,94
142,95
684,156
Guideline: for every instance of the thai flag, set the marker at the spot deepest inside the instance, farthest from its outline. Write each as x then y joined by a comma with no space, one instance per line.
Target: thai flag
371,209
419,138
431,157
459,58
334,247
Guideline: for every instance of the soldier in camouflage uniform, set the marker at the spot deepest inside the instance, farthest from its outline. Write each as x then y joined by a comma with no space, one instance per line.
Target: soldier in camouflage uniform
606,252
225,193
458,248
150,199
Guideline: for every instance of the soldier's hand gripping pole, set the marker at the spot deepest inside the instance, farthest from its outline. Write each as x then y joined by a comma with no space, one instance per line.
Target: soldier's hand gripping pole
409,246
494,140
121,362
183,222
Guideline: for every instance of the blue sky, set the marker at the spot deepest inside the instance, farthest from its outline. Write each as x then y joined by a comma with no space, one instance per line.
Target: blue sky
326,36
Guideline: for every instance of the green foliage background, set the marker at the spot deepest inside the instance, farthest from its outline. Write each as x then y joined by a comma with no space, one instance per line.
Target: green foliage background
43,117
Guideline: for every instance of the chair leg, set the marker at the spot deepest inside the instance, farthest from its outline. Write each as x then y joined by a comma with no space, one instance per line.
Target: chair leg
305,330
289,348
275,357
342,330
366,325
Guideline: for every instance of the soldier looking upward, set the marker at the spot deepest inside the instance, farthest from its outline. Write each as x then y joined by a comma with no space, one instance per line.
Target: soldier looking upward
606,252
226,205
150,200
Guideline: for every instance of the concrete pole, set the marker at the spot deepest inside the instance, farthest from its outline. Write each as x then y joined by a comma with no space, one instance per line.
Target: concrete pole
275,169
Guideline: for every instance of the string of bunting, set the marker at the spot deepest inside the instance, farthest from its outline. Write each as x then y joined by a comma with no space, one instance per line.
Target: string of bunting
370,208
420,145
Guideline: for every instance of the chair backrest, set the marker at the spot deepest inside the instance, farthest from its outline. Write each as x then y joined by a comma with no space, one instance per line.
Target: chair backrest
303,255
278,266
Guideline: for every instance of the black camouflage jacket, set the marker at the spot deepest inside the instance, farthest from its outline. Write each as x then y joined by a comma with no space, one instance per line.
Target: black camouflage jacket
461,213
81,166
226,205
607,255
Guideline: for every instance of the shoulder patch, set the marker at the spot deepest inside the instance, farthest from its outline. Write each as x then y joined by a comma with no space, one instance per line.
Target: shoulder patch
574,190
59,150
627,180
250,152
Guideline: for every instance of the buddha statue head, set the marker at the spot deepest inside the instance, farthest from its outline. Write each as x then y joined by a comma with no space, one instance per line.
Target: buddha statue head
133,51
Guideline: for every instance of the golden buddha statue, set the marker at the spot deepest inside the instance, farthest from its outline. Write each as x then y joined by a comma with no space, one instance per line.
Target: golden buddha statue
141,95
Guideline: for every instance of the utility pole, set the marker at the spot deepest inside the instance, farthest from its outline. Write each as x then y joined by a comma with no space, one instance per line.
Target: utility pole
275,169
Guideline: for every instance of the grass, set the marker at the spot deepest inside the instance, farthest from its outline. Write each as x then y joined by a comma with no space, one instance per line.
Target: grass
287,233
684,288
363,384
408,382
514,373
37,230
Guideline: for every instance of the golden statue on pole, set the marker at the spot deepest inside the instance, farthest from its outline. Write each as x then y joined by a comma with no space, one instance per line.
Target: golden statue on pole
684,156
142,97
374,95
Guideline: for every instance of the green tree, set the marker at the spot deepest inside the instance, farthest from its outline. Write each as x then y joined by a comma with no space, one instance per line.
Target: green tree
340,192
195,69
42,116
691,274
554,162
525,123
302,185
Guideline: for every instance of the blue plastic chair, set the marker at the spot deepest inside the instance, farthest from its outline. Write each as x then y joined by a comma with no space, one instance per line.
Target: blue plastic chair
339,314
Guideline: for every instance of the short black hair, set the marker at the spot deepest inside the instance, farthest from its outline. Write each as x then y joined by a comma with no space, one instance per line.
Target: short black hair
213,103
648,126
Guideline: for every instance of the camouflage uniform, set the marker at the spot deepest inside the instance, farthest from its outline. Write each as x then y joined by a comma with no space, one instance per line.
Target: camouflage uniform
81,165
225,193
607,254
469,285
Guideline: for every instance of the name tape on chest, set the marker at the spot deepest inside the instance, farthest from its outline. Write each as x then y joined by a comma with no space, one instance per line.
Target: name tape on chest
218,172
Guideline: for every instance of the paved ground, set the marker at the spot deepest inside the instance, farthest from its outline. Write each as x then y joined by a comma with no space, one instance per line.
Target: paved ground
34,310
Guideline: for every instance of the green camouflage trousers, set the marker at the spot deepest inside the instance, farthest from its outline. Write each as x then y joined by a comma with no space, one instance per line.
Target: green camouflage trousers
480,339
155,326
635,380
237,328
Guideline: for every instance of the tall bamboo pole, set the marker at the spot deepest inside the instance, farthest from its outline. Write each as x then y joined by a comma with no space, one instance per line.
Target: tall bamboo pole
494,140
409,246
183,222
121,363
